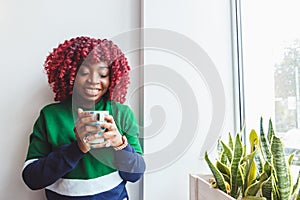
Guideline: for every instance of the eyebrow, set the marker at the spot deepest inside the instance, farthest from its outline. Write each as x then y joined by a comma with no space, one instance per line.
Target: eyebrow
103,68
88,66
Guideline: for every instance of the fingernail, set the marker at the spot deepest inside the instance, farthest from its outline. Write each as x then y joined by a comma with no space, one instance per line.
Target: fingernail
92,147
88,134
97,123
91,112
99,133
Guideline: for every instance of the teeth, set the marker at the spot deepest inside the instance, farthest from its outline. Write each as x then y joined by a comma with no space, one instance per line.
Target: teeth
92,91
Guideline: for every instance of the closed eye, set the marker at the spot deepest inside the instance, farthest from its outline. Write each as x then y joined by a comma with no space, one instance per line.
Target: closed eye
83,73
103,75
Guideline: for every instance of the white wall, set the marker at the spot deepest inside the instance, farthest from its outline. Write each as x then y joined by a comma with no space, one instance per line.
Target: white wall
207,23
29,30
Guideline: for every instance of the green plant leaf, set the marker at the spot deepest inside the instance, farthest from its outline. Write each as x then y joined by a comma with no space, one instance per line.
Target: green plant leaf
223,158
230,143
240,177
270,131
254,188
297,185
258,161
275,192
265,144
298,196
253,198
281,168
248,161
254,140
266,188
227,151
234,167
223,168
217,174
290,159
219,147
227,180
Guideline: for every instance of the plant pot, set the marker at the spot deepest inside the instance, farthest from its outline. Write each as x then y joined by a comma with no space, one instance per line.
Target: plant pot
200,189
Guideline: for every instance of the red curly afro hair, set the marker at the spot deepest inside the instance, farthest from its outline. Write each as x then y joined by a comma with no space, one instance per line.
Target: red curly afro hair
63,63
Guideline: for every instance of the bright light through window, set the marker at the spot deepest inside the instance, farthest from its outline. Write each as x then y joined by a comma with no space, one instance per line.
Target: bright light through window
271,56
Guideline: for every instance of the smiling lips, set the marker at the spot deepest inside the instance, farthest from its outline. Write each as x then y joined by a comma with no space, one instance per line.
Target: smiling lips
92,91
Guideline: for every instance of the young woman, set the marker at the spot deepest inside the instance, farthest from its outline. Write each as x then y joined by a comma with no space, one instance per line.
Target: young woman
86,74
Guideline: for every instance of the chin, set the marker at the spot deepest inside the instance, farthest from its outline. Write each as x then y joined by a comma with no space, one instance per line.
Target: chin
87,99
92,99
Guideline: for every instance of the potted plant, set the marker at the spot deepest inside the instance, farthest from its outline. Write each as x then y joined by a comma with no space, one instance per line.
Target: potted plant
258,171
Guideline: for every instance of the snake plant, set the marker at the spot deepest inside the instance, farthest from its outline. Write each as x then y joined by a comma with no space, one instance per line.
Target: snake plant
259,171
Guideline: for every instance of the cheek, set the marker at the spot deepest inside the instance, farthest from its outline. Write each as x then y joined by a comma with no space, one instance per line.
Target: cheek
79,82
75,88
76,84
105,82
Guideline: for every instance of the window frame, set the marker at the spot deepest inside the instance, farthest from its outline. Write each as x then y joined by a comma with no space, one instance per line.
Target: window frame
238,67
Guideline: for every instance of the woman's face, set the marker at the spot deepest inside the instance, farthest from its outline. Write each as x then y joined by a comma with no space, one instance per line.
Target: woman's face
92,83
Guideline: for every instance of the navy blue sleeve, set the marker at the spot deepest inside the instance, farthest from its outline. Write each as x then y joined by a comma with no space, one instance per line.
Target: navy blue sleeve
45,171
130,164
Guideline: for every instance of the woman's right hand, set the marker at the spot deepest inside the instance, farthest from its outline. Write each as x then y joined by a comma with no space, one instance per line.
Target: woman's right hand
83,131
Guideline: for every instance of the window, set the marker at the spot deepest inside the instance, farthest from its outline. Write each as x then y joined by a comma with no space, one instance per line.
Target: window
271,65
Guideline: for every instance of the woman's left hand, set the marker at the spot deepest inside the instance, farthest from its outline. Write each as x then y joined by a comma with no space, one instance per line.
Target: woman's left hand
111,135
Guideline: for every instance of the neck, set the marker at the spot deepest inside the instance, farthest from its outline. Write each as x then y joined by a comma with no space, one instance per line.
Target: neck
83,103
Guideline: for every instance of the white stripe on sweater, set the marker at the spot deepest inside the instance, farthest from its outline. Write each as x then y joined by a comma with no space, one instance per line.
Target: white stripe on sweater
84,187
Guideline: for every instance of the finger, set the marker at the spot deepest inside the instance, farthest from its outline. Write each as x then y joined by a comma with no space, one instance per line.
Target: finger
108,126
79,111
82,113
85,139
112,137
91,129
88,120
109,135
95,136
107,143
108,138
99,145
109,119
82,127
82,142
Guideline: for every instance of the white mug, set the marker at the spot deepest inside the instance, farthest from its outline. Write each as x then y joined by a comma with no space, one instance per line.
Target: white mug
99,115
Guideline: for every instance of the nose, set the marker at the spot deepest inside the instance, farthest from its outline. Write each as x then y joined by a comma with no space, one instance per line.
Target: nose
94,78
